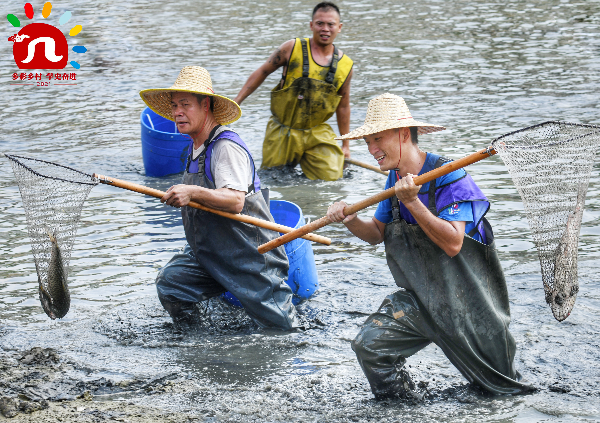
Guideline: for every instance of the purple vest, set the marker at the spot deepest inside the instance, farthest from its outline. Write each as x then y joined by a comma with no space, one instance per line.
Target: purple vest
437,199
192,165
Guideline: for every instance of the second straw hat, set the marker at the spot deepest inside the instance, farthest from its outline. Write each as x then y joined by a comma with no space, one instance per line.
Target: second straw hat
192,79
388,111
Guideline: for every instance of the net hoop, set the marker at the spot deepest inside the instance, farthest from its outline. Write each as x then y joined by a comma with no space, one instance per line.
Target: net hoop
555,122
94,181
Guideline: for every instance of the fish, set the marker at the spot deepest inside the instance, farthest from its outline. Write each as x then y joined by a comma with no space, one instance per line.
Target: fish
55,297
561,296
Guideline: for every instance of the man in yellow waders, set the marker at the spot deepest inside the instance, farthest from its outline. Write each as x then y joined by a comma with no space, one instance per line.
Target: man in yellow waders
314,85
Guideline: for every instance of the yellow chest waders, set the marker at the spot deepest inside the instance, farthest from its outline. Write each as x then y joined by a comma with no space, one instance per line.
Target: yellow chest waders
297,132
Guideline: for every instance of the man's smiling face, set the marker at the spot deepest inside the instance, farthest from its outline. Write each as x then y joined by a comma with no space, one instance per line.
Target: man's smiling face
384,146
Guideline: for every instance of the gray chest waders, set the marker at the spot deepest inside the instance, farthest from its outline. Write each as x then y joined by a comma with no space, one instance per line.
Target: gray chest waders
226,252
459,303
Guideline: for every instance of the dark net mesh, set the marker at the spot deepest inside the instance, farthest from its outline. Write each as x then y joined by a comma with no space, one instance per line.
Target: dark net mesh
550,165
53,196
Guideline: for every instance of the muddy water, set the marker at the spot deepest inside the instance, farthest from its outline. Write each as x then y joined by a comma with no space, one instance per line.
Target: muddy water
481,69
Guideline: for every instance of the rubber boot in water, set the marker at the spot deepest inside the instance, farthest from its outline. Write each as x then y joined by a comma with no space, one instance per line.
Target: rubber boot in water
182,312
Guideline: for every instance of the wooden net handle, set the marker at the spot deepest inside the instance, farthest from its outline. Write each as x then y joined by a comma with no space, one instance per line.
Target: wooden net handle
239,217
384,195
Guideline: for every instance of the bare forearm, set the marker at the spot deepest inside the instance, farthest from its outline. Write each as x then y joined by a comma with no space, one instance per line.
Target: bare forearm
343,121
343,114
367,230
223,199
370,231
448,236
343,118
254,81
277,59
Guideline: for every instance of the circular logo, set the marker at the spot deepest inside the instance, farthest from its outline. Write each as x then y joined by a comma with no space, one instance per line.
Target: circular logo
40,46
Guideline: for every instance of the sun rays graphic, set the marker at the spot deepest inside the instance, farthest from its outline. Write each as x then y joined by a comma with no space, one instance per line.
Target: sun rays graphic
55,43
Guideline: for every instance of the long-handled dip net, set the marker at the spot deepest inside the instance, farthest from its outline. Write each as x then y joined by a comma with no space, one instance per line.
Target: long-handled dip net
550,164
53,197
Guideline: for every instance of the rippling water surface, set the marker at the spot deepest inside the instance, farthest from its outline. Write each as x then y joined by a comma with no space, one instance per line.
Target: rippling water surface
479,68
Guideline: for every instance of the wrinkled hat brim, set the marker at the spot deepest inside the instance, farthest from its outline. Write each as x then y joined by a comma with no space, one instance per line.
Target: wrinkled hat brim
370,129
226,111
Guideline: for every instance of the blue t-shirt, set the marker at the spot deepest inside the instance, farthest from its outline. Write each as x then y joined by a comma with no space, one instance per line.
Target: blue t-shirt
459,209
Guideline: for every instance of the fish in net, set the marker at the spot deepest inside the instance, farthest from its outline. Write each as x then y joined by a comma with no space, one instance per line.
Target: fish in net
550,165
53,196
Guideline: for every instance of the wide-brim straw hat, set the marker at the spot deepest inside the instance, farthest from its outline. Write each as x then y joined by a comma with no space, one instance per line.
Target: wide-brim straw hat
192,79
388,111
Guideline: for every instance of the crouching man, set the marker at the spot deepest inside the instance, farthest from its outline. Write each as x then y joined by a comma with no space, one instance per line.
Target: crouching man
221,254
440,250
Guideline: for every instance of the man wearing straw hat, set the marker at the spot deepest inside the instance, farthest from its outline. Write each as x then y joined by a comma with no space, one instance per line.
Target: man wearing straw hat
441,252
220,254
315,84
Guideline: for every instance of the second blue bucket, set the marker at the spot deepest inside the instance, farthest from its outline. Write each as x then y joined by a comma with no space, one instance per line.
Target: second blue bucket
164,149
302,276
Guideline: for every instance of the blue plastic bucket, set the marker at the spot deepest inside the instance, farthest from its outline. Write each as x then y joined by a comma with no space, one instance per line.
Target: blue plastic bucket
164,149
302,276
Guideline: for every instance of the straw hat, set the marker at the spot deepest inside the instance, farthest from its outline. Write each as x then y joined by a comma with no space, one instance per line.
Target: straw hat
192,79
388,111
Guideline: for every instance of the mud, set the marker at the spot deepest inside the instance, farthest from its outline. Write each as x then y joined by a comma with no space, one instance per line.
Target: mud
36,385
223,368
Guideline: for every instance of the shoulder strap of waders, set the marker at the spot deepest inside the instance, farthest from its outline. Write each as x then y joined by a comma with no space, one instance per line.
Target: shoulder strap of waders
192,166
228,134
333,66
284,69
305,62
432,187
474,230
430,194
395,202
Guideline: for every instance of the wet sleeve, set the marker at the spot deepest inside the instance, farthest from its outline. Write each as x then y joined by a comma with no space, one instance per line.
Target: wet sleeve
459,212
462,212
231,166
